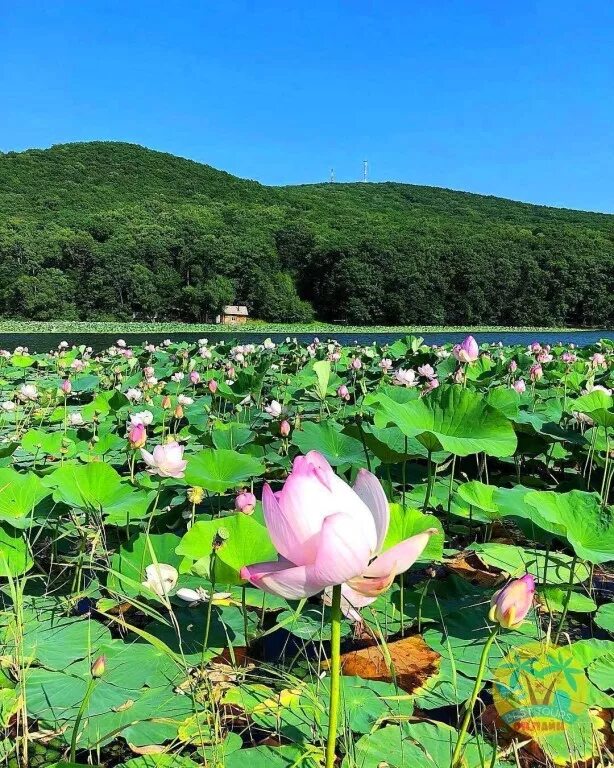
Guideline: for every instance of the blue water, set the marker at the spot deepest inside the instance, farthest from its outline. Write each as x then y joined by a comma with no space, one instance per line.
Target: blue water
42,342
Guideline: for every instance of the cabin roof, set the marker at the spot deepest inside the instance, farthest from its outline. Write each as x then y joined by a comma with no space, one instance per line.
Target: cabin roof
239,310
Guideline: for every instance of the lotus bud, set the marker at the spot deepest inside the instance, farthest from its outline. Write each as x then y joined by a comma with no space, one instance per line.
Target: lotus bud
467,351
137,436
99,666
194,377
66,387
536,372
356,364
343,392
166,402
178,413
513,366
245,502
284,428
510,605
519,386
212,385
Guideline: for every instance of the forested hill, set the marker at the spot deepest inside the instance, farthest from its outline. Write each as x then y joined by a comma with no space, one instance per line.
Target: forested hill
107,230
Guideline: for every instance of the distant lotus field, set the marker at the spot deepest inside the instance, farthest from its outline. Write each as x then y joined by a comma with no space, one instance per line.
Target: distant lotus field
302,555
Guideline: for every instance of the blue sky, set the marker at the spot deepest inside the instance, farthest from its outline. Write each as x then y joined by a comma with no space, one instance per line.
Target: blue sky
513,99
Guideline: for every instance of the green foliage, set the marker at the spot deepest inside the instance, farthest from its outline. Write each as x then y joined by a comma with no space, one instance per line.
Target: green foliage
106,230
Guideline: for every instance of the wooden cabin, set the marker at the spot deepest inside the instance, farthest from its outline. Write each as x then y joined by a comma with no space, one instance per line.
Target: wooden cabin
233,315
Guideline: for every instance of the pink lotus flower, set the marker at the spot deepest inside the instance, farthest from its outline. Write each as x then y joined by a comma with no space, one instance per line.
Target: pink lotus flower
194,377
513,366
212,385
536,372
245,502
519,386
137,436
467,351
569,357
511,604
343,392
385,364
166,460
598,360
66,387
427,370
356,364
327,534
405,378
274,409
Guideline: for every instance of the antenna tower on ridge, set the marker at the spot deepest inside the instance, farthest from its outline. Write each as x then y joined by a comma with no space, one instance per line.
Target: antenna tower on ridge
332,175
365,170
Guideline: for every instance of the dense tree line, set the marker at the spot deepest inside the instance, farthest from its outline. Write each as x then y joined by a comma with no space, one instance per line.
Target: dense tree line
115,231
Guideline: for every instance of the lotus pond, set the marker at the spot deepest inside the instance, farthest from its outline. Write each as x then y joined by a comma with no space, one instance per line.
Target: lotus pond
137,628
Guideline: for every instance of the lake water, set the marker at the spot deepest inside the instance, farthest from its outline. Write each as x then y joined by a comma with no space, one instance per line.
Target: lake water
42,342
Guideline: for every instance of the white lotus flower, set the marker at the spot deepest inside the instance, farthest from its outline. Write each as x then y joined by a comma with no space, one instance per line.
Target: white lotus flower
161,578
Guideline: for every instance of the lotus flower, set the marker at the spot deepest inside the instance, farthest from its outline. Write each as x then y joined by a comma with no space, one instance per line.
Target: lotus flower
511,604
161,578
520,386
166,460
66,387
142,417
405,378
284,428
274,409
245,502
467,351
327,534
212,386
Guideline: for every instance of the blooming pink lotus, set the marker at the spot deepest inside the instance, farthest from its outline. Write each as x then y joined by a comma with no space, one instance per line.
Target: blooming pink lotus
328,533
467,351
511,604
166,460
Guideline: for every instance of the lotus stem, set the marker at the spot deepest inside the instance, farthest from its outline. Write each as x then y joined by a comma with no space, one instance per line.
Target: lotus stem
82,708
335,675
572,571
458,749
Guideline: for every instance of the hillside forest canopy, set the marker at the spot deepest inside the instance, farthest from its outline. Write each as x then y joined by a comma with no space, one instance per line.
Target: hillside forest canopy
114,231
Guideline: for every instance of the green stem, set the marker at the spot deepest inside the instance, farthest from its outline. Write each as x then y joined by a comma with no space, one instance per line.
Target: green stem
335,675
429,483
209,610
572,571
458,749
82,708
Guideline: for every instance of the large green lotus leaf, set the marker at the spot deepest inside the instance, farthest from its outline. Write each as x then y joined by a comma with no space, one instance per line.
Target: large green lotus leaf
598,405
454,420
447,687
480,497
504,399
43,444
133,557
588,528
14,551
391,446
604,617
328,439
57,641
244,542
231,436
289,756
150,716
219,470
421,744
404,524
99,487
554,599
19,494
322,371
164,760
516,561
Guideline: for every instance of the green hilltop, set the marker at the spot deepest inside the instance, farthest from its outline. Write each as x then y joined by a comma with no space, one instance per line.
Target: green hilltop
113,231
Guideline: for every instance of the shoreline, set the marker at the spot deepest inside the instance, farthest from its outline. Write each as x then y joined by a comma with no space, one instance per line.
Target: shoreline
68,326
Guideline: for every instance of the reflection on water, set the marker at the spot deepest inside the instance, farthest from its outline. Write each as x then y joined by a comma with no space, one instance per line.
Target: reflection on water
42,342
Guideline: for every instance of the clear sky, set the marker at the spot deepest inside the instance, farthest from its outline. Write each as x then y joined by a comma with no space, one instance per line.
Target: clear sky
513,99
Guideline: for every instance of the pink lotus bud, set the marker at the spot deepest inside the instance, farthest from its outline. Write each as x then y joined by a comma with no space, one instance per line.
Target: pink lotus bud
212,385
343,392
335,356
66,387
385,364
284,428
467,351
245,502
356,363
598,360
231,372
513,366
148,372
274,409
137,436
194,377
535,347
569,357
519,386
511,604
536,372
